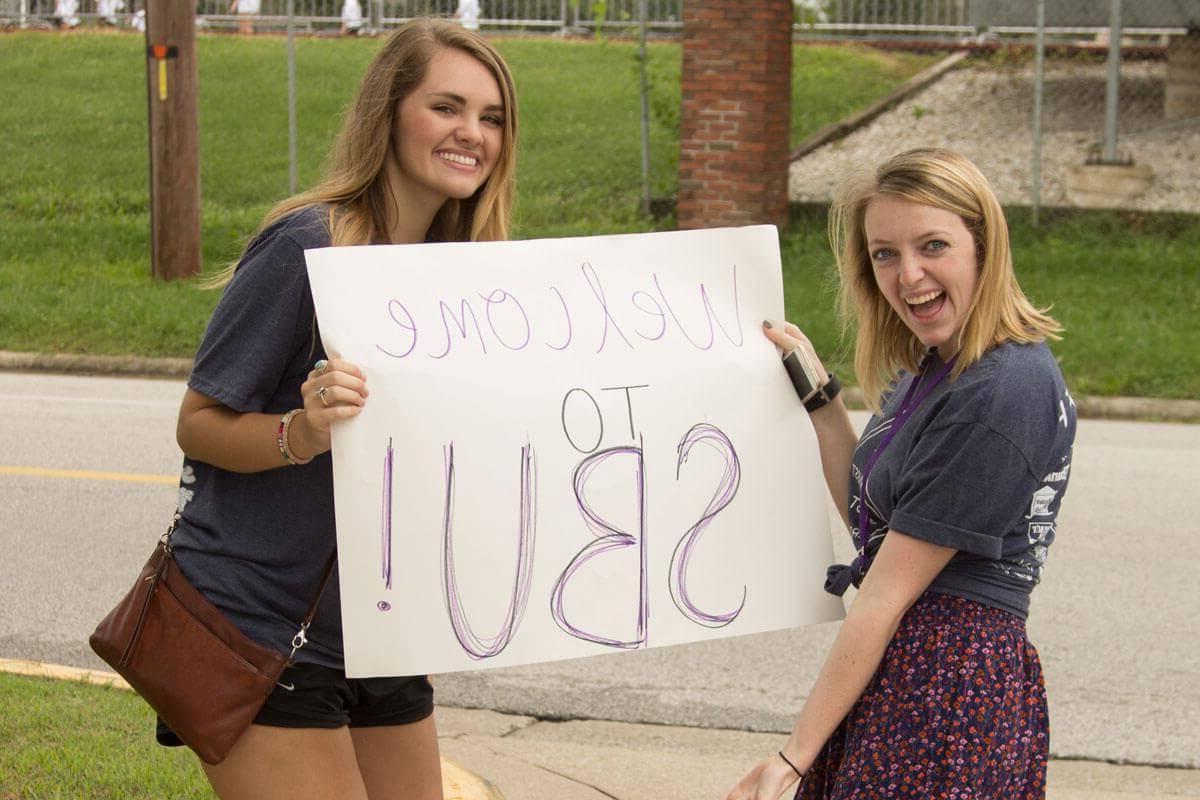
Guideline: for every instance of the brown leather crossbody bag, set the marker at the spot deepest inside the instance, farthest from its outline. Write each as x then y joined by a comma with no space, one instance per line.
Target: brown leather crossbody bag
205,678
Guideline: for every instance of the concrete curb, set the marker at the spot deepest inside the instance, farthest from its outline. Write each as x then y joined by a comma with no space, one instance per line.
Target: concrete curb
1141,409
458,783
1134,409
37,669
842,128
127,366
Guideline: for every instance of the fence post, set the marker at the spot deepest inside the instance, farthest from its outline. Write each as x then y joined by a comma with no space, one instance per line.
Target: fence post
643,57
1039,83
1114,80
291,100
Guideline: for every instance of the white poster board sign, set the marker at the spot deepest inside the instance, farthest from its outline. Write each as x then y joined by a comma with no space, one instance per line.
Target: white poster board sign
570,447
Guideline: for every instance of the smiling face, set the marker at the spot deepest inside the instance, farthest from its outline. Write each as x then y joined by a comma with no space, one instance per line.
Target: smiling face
925,265
448,132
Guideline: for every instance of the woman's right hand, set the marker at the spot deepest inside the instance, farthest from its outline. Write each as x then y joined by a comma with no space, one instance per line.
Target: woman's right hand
788,337
335,390
836,435
766,780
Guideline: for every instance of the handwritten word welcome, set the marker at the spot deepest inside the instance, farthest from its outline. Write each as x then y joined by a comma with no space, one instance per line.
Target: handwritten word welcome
591,318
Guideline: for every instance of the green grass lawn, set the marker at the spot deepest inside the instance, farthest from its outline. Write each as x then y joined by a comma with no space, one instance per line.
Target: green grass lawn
74,218
74,243
61,740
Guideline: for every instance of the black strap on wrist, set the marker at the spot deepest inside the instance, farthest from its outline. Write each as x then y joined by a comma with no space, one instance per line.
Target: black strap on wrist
788,761
825,394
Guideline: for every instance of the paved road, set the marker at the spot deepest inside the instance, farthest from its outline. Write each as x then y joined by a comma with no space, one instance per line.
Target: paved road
1117,619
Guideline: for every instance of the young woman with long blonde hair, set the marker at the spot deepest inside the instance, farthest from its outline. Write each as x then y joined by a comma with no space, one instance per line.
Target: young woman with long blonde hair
426,153
951,494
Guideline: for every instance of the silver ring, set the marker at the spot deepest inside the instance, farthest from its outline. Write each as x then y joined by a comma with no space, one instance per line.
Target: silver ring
321,366
321,394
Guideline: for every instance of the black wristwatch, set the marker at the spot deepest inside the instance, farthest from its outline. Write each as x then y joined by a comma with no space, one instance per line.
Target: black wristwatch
824,394
802,371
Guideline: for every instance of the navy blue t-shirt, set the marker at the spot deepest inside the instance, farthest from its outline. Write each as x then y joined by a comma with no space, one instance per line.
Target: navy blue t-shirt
255,543
981,466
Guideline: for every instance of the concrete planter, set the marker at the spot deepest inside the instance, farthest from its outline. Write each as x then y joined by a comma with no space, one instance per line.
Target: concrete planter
1107,185
1183,76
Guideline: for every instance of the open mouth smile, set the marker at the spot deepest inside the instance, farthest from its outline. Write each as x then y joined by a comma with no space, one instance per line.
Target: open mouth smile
927,304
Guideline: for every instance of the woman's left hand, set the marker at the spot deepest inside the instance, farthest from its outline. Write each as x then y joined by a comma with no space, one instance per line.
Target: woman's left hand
335,390
767,780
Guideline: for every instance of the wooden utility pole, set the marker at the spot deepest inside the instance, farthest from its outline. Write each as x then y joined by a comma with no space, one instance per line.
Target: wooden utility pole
171,83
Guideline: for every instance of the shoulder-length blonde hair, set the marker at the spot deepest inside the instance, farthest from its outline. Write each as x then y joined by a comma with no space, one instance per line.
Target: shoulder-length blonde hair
355,188
999,311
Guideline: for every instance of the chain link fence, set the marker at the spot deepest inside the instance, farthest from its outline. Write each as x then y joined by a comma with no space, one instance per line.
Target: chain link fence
1063,102
612,17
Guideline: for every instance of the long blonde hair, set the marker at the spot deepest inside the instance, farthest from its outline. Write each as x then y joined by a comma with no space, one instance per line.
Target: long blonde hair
999,311
355,187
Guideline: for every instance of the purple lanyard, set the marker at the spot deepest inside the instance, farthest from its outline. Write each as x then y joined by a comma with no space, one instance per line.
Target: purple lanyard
912,399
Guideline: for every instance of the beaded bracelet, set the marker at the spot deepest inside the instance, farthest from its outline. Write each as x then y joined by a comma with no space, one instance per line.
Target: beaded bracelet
281,438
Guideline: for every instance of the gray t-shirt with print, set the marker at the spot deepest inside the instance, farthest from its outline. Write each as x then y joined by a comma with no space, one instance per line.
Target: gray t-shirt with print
981,466
255,543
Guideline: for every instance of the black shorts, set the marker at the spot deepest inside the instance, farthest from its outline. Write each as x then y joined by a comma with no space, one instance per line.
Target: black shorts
310,696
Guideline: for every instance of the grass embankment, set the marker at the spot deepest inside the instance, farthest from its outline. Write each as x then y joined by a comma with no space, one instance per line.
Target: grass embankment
73,175
63,741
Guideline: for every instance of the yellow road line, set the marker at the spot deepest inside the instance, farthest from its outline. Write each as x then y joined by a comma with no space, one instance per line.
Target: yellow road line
89,475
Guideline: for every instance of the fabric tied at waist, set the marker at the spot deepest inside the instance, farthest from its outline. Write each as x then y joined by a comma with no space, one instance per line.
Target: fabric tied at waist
839,576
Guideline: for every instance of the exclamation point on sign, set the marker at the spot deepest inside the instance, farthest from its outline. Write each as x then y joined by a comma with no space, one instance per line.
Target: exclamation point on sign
385,537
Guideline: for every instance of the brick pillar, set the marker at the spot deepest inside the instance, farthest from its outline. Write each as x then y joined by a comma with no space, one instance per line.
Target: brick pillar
736,113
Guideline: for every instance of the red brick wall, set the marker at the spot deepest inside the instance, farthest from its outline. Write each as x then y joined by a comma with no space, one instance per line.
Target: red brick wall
735,120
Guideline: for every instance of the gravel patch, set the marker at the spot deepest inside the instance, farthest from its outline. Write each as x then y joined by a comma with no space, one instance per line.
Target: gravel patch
987,114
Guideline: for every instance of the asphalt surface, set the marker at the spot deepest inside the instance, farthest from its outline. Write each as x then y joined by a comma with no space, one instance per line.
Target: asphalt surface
1117,619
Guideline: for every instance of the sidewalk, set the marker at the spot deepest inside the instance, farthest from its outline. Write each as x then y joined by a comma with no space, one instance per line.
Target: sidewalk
527,759
491,756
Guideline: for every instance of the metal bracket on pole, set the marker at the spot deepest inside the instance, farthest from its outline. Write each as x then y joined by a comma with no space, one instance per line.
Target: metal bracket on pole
161,53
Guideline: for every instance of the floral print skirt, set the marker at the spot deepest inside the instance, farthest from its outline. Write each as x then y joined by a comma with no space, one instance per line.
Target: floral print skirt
956,710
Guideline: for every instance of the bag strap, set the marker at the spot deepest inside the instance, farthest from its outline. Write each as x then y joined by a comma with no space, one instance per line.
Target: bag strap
301,637
166,537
